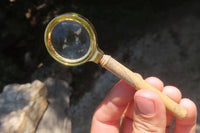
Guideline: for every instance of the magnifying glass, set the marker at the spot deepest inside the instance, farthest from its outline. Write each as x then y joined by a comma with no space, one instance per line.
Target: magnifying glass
71,40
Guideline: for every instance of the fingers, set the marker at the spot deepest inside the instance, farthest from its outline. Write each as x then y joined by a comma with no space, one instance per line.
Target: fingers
106,118
127,122
188,124
173,93
127,119
146,108
155,82
170,91
148,112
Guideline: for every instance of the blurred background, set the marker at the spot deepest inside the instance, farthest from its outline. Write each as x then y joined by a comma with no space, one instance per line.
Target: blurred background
154,38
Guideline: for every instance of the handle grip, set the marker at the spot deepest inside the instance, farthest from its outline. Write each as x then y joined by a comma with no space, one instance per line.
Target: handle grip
139,83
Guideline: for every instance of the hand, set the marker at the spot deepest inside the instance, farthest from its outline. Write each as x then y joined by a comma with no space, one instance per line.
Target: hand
128,111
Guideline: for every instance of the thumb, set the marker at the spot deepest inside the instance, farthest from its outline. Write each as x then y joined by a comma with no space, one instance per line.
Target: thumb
149,113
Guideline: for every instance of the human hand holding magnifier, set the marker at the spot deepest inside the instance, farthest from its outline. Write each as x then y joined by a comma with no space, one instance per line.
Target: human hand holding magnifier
71,40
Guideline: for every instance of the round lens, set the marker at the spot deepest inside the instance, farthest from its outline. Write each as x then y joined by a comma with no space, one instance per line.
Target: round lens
70,39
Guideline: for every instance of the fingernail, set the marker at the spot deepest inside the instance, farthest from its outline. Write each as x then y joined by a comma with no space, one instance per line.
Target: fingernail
145,106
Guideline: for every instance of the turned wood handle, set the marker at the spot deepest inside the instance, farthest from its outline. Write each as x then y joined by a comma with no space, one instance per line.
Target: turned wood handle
139,83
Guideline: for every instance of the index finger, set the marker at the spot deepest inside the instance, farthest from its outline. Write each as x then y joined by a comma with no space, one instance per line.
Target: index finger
106,117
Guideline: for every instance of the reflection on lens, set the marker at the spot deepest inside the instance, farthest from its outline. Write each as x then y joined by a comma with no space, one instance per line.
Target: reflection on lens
70,39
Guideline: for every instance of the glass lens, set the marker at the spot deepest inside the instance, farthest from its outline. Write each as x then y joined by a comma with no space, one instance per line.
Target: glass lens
70,39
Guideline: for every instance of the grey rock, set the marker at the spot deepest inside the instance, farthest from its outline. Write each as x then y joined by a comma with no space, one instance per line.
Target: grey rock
21,107
56,119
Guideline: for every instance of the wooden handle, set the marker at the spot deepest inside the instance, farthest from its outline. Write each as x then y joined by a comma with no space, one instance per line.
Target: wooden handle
139,83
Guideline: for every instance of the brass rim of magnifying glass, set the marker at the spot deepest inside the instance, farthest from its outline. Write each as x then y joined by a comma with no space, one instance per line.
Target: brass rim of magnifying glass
93,54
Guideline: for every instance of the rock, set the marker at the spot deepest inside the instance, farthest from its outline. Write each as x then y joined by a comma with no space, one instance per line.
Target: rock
56,119
21,107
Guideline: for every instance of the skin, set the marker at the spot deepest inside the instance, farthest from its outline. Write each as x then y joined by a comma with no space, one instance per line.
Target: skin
126,110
